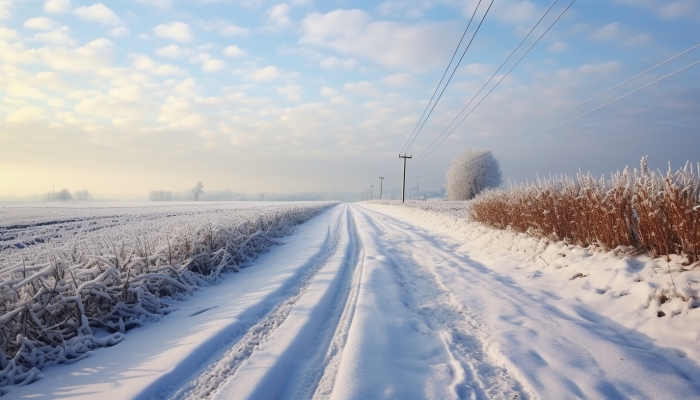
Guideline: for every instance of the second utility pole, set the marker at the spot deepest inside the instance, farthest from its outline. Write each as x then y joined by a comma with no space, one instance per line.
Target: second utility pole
403,186
381,180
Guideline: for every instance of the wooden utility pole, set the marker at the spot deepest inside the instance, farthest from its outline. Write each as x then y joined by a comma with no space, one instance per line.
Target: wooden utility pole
371,191
403,186
381,179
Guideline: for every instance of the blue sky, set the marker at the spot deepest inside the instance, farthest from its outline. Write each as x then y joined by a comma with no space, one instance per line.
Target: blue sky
121,97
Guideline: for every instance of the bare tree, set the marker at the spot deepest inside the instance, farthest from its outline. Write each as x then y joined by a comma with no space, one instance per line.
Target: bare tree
470,173
197,190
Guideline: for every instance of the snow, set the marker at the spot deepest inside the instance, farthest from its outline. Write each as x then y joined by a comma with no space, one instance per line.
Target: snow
388,301
157,357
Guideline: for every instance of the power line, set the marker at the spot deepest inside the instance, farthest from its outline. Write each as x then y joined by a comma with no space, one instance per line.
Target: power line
601,94
599,107
442,78
502,64
421,157
453,72
610,102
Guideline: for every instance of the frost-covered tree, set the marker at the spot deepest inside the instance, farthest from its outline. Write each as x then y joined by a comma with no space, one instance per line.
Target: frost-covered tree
197,190
160,195
470,173
64,195
82,195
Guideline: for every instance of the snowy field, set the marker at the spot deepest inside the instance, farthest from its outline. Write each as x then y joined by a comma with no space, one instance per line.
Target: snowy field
386,301
76,277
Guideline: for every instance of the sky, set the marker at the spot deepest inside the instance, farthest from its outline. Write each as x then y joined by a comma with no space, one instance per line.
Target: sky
124,97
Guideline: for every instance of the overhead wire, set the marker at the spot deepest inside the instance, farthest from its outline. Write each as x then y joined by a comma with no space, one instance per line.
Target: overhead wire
599,107
423,155
502,64
442,78
606,104
451,75
599,95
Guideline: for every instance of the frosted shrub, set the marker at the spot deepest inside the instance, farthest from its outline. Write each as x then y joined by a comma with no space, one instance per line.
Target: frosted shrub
470,173
647,210
54,295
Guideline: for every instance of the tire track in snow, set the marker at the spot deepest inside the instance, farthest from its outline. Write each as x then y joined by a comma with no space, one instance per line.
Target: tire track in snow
324,366
301,380
213,376
461,331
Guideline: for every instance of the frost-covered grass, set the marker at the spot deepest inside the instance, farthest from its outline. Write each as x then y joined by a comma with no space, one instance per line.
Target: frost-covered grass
76,278
648,211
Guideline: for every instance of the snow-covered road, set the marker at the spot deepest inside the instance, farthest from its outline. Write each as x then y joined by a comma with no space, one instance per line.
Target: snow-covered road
361,304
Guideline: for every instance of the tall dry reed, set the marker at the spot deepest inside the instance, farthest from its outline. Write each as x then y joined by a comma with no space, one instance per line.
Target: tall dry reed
647,210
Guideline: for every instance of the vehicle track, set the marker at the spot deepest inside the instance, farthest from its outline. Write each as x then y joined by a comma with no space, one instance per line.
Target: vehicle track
211,378
462,331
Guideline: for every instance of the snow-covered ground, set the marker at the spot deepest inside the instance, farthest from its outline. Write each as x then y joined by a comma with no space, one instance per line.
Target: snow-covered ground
383,301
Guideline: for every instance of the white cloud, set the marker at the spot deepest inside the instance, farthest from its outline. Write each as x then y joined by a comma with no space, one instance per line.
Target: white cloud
615,32
397,81
681,9
159,4
292,92
558,47
57,6
234,51
58,36
176,30
637,40
90,57
26,114
606,33
144,63
223,27
7,33
233,30
363,88
20,89
268,73
475,69
208,63
513,11
5,6
334,62
169,69
669,10
416,47
213,65
328,92
98,13
119,32
40,24
410,9
171,51
278,15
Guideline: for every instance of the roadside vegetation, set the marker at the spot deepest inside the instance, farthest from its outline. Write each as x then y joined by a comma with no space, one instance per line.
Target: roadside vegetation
642,209
71,292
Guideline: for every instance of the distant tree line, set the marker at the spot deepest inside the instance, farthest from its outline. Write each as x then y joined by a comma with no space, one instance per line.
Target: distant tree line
65,195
